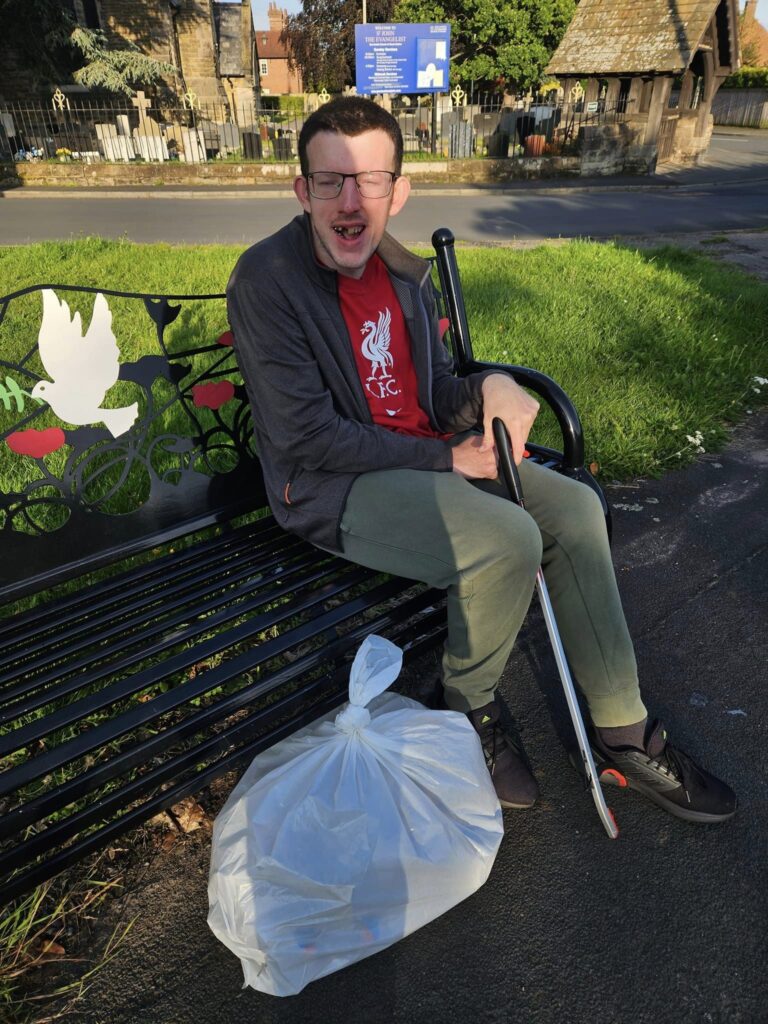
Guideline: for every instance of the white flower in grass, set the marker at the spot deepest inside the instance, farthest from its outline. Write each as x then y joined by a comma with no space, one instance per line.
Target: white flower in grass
695,441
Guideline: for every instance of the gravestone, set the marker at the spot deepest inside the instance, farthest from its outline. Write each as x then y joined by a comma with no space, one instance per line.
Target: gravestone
150,147
229,138
113,146
460,141
193,145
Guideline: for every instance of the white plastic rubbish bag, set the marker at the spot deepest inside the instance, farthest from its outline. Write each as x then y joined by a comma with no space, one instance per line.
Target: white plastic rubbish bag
352,833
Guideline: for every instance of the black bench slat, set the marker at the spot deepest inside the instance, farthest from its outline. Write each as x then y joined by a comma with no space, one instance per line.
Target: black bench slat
60,831
46,621
129,686
69,684
431,623
186,593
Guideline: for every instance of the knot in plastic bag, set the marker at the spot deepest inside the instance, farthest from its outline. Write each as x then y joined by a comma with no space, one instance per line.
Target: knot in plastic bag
352,719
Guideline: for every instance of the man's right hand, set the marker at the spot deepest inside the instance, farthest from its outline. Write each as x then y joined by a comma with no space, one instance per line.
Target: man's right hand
473,460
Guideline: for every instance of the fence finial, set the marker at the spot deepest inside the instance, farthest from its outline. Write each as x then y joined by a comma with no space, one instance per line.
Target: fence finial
59,100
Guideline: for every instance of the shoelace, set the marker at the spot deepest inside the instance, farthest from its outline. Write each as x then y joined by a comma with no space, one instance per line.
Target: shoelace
497,738
678,764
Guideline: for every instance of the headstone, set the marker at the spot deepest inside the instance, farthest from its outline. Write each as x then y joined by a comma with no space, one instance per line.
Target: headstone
193,144
123,123
229,138
150,147
252,146
8,126
113,146
460,141
141,103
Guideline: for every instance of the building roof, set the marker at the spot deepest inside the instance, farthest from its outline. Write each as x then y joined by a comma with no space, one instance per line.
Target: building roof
268,45
635,36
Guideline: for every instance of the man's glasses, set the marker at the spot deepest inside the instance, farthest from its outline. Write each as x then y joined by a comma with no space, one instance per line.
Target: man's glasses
370,184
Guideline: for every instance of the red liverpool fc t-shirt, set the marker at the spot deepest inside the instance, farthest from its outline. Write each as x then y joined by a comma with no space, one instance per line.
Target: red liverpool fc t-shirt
382,350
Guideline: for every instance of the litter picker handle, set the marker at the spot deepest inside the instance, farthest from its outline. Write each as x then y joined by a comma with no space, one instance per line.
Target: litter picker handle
506,462
511,478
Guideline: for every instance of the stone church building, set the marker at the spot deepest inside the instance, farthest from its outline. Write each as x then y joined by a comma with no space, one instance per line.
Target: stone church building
210,43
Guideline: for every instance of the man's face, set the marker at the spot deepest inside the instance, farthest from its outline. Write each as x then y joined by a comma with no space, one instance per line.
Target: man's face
347,230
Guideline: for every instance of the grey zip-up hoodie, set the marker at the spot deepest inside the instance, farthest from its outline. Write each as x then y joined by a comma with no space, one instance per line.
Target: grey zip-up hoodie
313,427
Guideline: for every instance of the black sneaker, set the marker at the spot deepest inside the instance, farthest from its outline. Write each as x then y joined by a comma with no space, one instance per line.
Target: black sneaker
514,784
667,776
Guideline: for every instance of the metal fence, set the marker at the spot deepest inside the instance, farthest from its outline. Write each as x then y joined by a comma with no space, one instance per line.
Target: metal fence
136,131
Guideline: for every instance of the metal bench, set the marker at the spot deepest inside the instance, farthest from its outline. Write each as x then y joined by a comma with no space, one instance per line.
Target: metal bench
158,629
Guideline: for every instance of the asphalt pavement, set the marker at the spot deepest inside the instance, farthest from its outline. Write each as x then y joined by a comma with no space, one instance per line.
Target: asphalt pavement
727,191
666,925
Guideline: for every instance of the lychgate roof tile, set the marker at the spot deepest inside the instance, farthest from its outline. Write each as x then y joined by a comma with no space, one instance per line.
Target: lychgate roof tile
632,36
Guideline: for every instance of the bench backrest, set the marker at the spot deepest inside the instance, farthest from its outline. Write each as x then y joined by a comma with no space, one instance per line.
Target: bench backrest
104,448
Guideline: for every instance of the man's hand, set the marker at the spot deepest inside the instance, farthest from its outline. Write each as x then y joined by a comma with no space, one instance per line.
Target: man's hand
504,398
474,460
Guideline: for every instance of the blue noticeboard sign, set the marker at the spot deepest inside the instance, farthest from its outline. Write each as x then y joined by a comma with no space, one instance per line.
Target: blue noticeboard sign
402,58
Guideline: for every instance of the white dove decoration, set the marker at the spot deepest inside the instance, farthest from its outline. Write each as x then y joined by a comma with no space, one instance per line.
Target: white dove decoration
83,367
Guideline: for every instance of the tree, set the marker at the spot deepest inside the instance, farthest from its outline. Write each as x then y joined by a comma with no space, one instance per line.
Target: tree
496,43
46,36
321,40
118,70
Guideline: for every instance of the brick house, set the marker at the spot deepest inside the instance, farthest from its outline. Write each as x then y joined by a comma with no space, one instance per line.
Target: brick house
276,78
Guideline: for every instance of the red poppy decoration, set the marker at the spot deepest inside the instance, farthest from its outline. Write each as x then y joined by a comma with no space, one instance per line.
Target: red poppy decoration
36,443
444,324
213,394
226,338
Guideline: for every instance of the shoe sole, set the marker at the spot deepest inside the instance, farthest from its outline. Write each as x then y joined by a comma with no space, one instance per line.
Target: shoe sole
507,806
613,777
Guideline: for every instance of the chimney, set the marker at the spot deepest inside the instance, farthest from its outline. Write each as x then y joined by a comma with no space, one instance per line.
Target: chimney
276,17
749,17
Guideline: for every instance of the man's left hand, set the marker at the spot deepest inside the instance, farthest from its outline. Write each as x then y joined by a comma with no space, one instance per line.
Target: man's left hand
505,399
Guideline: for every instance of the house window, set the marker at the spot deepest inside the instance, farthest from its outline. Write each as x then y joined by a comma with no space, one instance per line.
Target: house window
263,67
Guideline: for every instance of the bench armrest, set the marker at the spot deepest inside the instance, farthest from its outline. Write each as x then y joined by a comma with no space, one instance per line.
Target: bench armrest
558,401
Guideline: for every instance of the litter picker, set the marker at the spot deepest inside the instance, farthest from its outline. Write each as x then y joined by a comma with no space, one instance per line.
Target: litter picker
511,478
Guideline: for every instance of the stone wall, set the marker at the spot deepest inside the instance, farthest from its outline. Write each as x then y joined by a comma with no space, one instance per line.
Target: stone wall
688,146
615,149
455,172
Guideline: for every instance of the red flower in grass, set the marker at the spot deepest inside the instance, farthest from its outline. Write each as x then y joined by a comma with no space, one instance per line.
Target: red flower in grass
36,443
226,338
213,394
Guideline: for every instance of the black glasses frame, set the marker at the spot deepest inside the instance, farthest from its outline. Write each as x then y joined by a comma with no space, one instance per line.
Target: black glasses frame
343,177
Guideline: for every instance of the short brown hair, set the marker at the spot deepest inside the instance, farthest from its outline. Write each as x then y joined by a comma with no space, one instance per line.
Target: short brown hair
350,115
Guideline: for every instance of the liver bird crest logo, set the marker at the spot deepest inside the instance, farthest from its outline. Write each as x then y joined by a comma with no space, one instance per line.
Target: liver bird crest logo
375,346
83,367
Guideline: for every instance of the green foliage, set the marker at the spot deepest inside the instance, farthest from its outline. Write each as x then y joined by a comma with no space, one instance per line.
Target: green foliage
117,70
46,36
499,44
321,40
747,78
292,104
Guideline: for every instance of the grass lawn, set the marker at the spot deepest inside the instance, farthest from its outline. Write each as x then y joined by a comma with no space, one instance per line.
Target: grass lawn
654,347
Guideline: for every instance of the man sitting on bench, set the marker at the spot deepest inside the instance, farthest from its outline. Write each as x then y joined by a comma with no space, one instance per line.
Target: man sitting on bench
370,449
